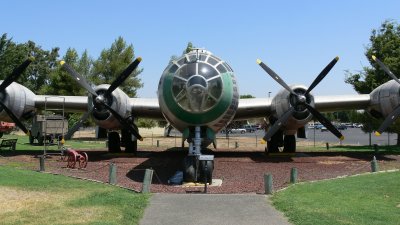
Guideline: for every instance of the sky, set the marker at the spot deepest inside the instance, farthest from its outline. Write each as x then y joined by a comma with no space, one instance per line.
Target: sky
297,39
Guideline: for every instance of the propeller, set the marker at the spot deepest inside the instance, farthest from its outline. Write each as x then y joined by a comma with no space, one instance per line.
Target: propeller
300,101
16,73
101,99
396,112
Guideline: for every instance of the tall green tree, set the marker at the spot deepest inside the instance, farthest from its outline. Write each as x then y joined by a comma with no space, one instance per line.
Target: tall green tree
384,44
189,47
112,62
61,82
13,54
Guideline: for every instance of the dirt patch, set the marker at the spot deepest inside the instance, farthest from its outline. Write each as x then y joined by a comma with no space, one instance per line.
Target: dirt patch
240,172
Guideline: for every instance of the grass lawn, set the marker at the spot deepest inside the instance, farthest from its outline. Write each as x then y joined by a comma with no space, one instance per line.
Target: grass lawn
28,197
392,149
364,199
23,143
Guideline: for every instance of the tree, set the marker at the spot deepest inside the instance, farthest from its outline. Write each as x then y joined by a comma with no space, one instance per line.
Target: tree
61,82
112,62
13,54
385,45
246,96
189,47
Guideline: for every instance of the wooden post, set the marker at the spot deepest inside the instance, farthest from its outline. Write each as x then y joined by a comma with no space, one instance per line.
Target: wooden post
112,178
148,177
268,182
158,143
327,146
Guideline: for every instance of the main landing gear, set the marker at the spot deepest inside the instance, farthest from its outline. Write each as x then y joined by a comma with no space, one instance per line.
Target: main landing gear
278,140
195,168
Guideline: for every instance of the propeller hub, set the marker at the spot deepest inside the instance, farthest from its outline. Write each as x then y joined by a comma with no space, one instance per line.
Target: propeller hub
302,99
100,99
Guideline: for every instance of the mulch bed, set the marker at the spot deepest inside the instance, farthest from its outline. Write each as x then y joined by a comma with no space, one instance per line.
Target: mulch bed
240,172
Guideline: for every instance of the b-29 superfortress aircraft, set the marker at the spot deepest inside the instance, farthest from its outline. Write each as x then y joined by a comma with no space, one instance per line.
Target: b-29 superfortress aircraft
198,95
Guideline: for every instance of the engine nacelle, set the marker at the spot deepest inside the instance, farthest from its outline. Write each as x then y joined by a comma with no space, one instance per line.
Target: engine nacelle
19,99
281,104
384,99
118,100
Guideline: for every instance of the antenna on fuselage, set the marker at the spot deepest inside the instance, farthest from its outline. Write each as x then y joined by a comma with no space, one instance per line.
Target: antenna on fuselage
198,51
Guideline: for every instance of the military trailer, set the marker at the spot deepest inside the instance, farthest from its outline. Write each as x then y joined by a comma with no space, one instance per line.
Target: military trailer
48,128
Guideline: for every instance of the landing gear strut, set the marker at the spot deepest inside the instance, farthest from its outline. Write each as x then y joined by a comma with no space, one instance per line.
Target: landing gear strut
195,169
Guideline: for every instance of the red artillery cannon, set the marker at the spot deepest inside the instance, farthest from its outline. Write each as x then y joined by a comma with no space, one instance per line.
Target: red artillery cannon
72,156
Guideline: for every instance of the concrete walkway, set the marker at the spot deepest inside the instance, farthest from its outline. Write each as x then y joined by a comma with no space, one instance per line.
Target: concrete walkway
208,209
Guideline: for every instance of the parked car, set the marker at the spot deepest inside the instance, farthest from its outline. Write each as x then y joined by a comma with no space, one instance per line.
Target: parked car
323,128
341,127
234,131
250,128
238,130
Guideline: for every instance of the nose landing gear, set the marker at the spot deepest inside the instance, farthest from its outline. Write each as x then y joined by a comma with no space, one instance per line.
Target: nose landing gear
196,166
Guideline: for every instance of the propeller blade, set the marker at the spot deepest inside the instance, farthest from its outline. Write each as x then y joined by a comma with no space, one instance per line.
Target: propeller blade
16,73
77,125
275,76
324,121
383,66
15,119
79,78
388,121
132,127
322,75
278,124
122,77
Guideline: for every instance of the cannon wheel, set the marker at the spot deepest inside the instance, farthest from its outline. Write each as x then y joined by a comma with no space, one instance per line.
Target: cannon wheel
72,156
83,159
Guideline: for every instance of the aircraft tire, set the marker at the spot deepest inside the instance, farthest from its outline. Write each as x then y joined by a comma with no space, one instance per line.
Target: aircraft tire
209,171
272,147
289,144
114,142
189,171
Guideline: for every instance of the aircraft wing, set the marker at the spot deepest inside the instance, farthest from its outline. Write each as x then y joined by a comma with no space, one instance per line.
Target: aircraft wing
146,108
253,108
140,107
69,103
263,107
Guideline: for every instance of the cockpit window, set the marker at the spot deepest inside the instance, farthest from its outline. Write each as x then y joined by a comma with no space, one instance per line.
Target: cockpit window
187,70
181,61
212,61
221,68
192,58
173,69
197,82
203,57
207,71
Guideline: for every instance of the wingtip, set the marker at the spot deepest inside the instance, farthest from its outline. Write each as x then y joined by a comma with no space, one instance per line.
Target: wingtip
258,61
31,58
62,62
377,133
263,141
374,57
341,138
337,58
139,59
141,139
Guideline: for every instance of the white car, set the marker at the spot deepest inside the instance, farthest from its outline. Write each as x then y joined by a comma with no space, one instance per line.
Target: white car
237,131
